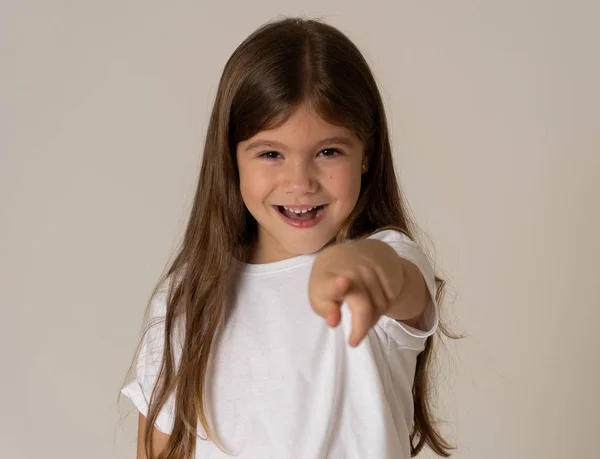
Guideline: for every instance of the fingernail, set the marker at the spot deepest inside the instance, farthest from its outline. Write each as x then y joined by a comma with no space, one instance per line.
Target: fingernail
331,319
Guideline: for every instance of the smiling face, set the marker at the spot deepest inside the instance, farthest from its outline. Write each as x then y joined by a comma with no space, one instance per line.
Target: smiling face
300,181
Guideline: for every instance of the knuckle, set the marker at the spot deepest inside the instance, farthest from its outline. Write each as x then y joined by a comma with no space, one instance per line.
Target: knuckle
365,271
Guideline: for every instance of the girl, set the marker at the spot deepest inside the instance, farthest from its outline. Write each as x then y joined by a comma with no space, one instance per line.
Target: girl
296,320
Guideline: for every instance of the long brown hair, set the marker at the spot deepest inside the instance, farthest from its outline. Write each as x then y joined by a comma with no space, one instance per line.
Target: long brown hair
281,65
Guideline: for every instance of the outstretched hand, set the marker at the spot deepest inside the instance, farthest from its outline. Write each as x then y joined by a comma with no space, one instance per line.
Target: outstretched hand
364,274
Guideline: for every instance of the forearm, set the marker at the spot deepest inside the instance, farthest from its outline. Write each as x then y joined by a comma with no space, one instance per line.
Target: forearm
409,305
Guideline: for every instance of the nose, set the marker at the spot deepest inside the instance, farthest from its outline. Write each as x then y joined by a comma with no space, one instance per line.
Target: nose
300,177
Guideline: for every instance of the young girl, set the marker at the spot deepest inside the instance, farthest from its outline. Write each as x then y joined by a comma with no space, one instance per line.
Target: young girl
297,319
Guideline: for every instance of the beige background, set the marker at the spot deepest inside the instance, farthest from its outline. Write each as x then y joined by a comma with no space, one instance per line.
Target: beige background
494,108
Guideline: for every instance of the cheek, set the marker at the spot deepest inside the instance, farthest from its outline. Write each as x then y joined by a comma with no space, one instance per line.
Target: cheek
254,185
245,182
344,184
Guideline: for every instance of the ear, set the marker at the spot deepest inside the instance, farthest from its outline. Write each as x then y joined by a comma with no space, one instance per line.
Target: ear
369,149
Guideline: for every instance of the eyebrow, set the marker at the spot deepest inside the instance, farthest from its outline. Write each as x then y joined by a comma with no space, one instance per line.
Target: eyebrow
274,144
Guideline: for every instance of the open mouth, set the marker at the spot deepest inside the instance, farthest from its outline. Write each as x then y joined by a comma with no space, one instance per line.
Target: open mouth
301,214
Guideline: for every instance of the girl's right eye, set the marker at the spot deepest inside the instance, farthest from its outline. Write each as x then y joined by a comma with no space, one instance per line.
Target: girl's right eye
269,155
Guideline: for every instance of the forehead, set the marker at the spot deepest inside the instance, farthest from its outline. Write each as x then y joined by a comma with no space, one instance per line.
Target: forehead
303,128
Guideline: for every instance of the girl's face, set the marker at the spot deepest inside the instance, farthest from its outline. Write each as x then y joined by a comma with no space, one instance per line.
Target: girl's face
306,165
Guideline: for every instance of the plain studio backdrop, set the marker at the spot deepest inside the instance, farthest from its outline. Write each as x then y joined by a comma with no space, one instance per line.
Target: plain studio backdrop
494,110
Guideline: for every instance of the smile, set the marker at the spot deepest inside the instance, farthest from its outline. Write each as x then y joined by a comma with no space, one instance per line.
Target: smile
302,216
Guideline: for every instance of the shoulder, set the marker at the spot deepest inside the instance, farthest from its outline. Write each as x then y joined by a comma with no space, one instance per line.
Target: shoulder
407,249
161,296
391,236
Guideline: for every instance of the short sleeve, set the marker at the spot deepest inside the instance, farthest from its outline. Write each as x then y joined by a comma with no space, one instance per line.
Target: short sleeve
404,335
148,364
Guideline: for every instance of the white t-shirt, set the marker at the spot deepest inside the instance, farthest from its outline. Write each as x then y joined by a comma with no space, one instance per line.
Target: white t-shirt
285,385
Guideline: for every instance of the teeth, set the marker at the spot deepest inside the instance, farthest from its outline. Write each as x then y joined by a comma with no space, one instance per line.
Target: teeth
298,211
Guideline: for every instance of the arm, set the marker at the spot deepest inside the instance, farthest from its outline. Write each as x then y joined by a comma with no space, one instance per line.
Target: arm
410,304
159,439
372,279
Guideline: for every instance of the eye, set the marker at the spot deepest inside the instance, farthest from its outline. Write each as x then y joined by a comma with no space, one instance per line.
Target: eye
269,155
329,152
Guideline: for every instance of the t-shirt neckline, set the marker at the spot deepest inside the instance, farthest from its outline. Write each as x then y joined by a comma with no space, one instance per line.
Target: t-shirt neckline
276,266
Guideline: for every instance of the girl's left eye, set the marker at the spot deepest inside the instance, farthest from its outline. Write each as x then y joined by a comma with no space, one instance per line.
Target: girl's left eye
329,152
